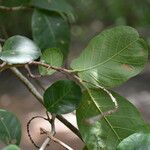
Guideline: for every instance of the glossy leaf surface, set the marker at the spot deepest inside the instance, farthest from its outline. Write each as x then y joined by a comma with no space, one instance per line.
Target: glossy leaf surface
10,128
112,57
53,57
19,50
62,97
109,131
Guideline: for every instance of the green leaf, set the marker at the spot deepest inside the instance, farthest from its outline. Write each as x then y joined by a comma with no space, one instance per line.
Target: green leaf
112,57
62,97
136,141
19,50
50,31
59,6
108,132
11,147
10,128
0,47
53,57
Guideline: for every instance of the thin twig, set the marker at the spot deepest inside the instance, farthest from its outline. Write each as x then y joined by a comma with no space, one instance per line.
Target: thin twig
50,136
30,73
69,125
28,129
53,132
27,83
4,8
33,90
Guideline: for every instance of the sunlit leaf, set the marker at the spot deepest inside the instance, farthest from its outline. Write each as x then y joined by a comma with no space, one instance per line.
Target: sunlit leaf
19,50
108,132
62,97
53,57
112,57
10,128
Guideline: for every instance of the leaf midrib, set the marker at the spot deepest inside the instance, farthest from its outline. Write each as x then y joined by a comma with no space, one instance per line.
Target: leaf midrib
104,116
102,63
60,99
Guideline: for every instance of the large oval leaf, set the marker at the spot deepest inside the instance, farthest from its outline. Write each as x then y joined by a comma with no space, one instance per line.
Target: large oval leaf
53,57
59,6
11,147
10,128
111,130
112,57
50,31
62,97
19,50
136,141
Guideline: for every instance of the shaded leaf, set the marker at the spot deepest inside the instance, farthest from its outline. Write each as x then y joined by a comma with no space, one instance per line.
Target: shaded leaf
50,31
114,56
136,141
111,130
19,50
62,97
59,6
53,57
11,147
10,128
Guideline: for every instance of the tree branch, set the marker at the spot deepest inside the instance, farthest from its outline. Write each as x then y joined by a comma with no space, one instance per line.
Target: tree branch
39,97
51,137
4,8
27,83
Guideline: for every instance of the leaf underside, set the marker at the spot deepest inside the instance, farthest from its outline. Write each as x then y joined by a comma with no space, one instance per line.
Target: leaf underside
114,56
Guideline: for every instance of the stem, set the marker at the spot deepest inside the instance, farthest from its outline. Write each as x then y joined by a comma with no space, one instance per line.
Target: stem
39,97
69,125
4,8
27,83
51,137
44,145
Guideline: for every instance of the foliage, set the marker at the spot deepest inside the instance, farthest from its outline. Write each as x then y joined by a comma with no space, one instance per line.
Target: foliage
105,119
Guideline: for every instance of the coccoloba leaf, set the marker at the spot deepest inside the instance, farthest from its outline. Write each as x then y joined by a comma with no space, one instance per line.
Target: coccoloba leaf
19,50
59,6
62,97
136,141
53,57
108,132
10,128
50,31
112,57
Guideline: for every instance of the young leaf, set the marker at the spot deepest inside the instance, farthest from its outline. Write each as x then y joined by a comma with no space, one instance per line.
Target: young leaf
11,147
136,141
19,50
50,31
108,132
52,57
112,57
10,128
59,6
62,97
